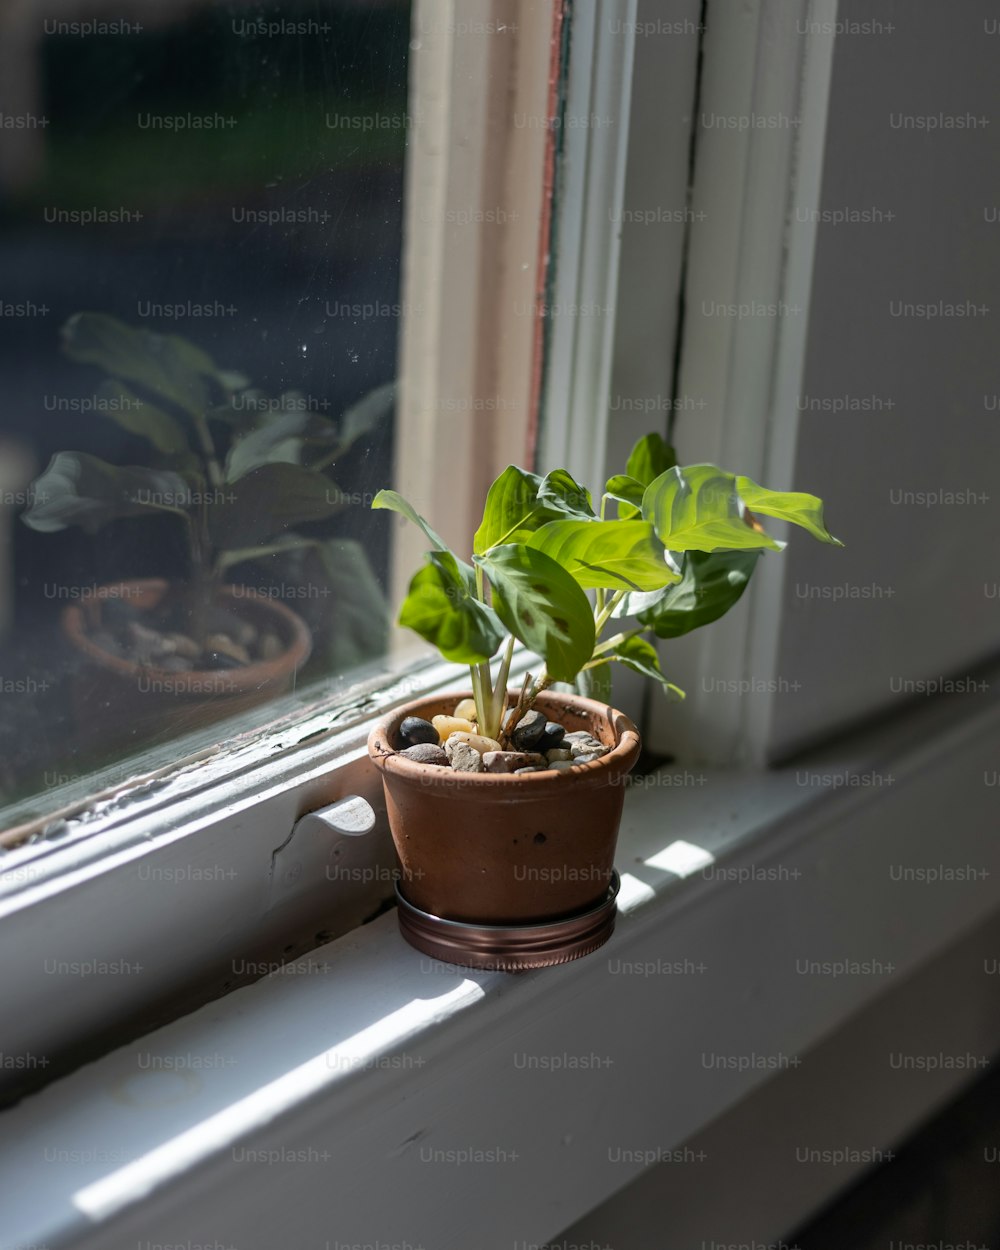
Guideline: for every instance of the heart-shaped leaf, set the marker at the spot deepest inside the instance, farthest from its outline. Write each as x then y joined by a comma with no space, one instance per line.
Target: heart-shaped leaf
542,605
442,608
80,489
698,509
710,584
651,456
559,492
606,555
627,493
794,506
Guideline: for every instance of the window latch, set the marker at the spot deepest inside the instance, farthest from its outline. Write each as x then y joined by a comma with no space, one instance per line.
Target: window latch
314,846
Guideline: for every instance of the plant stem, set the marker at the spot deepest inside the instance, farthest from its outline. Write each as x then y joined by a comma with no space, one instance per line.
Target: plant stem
610,643
498,703
212,465
604,615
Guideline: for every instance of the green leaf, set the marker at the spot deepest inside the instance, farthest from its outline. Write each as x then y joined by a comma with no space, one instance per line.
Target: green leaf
267,501
442,608
640,655
560,493
627,493
282,437
519,503
80,489
651,456
794,506
165,364
396,503
542,605
138,416
512,510
711,583
606,555
698,509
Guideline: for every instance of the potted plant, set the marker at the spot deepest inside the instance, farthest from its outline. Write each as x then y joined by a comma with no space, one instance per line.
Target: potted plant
239,472
504,804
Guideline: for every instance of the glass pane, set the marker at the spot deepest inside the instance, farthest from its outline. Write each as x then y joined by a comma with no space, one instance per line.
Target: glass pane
200,230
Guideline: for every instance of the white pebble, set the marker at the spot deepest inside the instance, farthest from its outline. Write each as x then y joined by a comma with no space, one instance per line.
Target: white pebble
478,742
447,725
466,710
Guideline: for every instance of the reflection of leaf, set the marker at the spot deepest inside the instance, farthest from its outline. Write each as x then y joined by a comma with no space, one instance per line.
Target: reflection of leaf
79,489
330,584
166,364
267,501
365,415
281,437
139,416
542,605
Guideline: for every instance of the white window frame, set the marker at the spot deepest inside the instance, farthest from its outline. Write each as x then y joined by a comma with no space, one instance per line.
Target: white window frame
377,1057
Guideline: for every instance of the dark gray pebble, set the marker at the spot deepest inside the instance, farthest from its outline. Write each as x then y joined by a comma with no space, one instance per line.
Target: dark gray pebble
415,729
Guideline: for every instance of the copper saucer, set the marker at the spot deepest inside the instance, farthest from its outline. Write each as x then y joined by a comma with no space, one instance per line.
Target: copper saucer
509,948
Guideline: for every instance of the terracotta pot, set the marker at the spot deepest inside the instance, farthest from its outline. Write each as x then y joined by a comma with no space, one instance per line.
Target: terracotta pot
494,849
117,699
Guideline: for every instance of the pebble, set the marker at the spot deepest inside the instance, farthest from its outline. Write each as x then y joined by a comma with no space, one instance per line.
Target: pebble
448,725
466,710
176,664
529,730
586,744
462,757
269,647
415,729
224,645
519,772
478,742
219,660
590,756
553,736
562,766
224,621
426,753
181,644
511,761
558,753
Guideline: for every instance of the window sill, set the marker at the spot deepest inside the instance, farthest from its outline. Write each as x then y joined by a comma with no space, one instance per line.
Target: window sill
347,1080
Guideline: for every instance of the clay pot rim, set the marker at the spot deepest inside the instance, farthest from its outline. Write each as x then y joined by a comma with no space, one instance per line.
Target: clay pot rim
237,680
618,761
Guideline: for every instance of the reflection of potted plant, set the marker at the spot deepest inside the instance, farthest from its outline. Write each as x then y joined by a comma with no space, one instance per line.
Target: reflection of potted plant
239,472
504,805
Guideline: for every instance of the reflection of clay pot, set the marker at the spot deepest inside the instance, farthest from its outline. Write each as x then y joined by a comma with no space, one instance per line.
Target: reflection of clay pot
118,700
497,849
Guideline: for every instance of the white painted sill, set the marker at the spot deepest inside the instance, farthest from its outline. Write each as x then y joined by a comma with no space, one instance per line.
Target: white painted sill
335,1104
